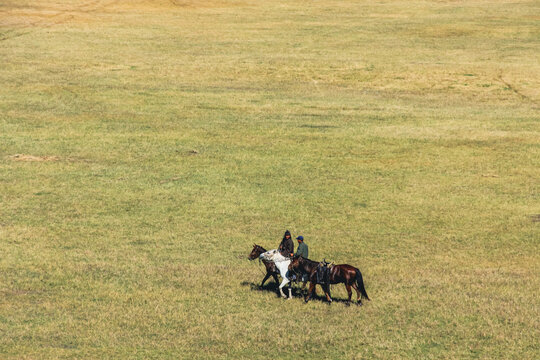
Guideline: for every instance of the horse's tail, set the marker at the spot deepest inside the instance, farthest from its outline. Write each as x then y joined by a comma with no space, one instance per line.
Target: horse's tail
360,283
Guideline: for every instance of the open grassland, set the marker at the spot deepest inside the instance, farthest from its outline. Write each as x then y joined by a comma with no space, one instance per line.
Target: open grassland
146,145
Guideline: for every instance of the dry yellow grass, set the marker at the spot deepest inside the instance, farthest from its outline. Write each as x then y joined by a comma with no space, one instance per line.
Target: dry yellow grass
145,145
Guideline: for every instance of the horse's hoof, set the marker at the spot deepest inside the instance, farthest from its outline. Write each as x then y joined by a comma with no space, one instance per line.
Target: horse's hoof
347,304
359,304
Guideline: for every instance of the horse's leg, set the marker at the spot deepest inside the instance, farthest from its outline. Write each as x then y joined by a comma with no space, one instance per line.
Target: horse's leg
275,278
281,291
290,291
284,279
265,278
283,283
349,292
310,292
359,303
326,289
303,288
287,274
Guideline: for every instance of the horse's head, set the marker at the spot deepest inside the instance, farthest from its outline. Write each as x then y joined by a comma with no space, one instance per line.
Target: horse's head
257,250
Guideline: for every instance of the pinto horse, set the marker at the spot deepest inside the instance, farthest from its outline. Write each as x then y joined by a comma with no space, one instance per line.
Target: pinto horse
271,269
282,264
343,273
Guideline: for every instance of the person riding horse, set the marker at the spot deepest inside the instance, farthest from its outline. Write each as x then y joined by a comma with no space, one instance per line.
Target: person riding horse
286,247
303,251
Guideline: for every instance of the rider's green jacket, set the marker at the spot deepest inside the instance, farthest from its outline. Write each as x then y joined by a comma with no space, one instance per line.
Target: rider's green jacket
302,250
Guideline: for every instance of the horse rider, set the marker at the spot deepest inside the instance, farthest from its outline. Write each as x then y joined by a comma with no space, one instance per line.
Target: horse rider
302,249
286,247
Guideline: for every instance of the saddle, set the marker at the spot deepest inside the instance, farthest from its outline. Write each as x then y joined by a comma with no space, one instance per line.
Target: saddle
323,272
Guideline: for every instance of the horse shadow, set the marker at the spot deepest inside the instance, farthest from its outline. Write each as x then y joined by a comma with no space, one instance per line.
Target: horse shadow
272,287
268,287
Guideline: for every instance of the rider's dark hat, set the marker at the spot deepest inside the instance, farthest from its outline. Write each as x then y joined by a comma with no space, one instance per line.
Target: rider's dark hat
300,238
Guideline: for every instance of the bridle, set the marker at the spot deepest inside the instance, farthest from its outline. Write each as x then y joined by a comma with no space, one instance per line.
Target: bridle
261,250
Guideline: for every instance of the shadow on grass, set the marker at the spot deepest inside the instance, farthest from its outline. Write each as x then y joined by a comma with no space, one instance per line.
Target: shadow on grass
272,287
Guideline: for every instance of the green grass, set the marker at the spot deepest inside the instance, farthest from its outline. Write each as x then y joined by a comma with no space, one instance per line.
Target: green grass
146,145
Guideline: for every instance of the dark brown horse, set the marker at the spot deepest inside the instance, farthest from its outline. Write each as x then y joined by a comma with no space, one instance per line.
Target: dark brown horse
343,273
271,269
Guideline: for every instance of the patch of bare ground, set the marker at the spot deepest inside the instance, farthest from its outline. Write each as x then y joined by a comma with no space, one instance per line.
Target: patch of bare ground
23,157
16,292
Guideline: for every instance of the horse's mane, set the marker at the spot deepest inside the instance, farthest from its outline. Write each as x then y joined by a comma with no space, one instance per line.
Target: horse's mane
260,247
309,261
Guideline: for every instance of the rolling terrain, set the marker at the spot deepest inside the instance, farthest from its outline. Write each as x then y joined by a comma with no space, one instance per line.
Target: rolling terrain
146,145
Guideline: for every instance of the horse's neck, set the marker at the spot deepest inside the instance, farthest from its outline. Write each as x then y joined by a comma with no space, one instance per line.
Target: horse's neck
310,265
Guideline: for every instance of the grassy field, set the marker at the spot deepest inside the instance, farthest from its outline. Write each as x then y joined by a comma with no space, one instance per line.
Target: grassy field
146,145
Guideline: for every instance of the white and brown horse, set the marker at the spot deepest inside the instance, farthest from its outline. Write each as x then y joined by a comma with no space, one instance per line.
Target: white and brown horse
282,264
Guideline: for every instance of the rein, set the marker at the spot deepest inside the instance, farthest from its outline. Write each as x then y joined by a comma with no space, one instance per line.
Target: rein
262,272
260,261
